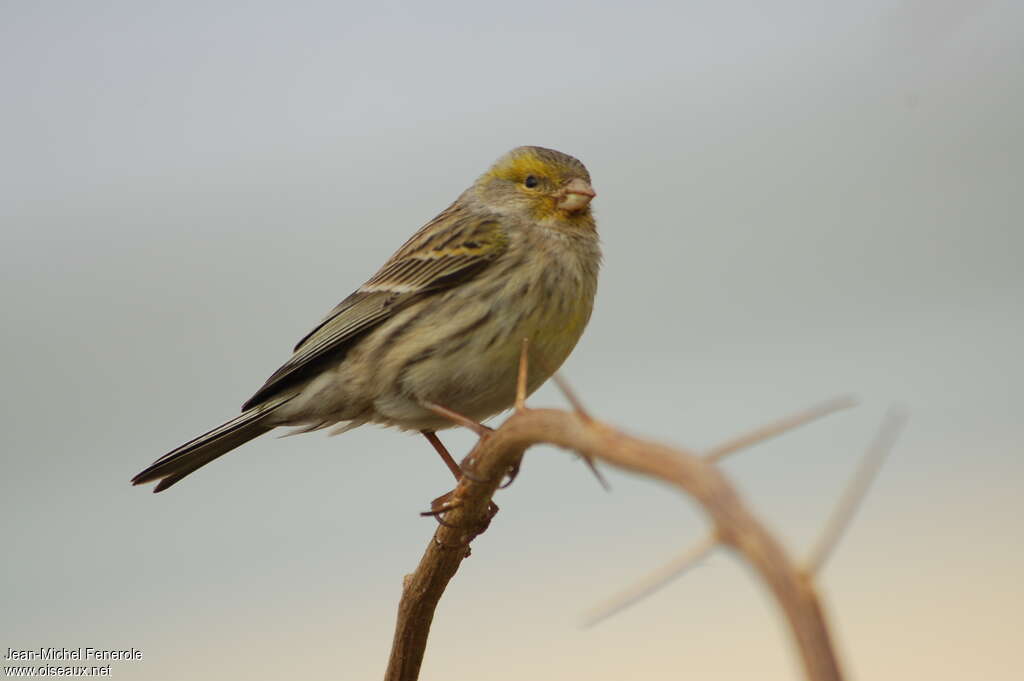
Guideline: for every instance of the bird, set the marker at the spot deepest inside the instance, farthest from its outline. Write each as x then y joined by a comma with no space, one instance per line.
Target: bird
515,258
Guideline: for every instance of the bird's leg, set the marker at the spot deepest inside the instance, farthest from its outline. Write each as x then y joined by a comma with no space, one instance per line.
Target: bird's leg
480,429
458,471
447,502
442,451
444,502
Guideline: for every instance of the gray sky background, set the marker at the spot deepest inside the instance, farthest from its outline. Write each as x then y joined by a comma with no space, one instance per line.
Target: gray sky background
796,199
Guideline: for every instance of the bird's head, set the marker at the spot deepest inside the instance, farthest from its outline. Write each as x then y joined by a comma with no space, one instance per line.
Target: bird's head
541,185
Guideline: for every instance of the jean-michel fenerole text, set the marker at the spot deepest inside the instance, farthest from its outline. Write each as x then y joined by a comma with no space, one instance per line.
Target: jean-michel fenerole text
72,654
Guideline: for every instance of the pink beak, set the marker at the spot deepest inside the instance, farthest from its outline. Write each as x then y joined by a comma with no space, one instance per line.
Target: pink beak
576,195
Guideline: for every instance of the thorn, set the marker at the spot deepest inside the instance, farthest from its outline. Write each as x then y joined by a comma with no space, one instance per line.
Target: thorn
779,427
524,368
652,582
571,396
464,421
853,495
597,473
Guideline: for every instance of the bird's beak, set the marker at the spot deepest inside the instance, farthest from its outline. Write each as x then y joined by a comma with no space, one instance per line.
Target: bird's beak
576,195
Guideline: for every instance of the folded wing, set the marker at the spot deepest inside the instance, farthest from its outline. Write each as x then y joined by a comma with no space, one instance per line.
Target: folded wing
452,248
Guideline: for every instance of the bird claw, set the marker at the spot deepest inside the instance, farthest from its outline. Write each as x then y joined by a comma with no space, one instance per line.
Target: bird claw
444,503
448,502
512,473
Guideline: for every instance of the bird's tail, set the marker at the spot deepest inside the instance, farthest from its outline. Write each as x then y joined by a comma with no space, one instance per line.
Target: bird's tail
194,454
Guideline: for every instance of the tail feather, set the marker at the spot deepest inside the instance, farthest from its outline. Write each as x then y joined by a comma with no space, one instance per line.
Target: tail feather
196,453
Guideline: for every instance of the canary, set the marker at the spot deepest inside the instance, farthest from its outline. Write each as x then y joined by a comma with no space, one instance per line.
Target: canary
515,257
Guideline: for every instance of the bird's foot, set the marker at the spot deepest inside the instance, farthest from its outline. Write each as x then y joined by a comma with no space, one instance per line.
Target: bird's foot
449,502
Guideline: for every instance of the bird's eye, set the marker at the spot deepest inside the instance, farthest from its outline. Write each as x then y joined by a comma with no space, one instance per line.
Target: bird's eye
531,181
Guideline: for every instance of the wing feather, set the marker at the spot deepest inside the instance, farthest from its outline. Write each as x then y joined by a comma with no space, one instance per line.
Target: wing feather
450,249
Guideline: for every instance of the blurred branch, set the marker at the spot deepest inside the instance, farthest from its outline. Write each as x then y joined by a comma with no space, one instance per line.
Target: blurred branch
870,464
779,427
652,582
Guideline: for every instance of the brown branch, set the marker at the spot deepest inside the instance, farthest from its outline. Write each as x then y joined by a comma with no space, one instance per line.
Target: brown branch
665,574
467,514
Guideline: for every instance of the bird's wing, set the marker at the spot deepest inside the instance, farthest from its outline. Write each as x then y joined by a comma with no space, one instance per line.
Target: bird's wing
450,249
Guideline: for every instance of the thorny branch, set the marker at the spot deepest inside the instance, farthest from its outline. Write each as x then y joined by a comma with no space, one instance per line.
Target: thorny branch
466,511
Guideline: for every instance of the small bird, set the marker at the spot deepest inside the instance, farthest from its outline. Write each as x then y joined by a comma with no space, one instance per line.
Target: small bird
442,322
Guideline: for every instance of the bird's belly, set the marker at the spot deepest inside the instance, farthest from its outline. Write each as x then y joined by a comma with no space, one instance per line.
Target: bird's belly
478,378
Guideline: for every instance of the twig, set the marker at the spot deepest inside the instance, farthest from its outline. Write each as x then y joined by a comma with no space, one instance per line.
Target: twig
581,411
570,395
854,493
676,568
779,427
592,465
652,582
733,523
524,366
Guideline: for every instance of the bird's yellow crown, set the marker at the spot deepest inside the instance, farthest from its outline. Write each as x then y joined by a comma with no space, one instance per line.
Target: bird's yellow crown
540,176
